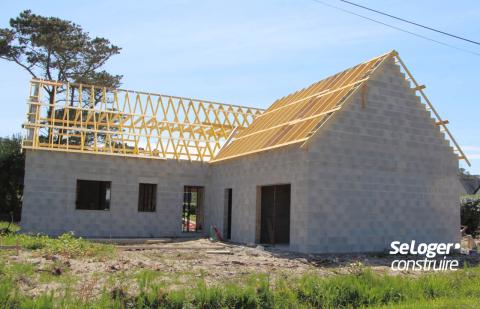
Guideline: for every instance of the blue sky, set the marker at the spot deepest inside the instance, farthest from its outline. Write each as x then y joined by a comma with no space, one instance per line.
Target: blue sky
252,52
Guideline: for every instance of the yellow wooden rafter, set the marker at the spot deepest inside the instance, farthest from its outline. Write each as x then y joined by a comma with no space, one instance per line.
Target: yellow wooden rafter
295,118
143,124
93,119
439,121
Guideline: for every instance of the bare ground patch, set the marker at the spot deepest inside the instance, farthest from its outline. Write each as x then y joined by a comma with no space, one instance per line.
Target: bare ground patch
179,264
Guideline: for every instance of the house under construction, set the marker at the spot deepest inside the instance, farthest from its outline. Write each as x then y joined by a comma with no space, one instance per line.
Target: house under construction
348,164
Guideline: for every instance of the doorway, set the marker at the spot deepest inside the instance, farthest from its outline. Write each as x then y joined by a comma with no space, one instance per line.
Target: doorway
192,210
275,214
227,227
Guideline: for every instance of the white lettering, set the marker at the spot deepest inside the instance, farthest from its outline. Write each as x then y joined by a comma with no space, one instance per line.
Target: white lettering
394,245
429,251
412,247
432,250
441,249
449,247
453,264
422,248
404,248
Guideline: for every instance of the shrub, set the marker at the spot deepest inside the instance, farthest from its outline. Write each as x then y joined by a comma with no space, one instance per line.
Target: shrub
470,214
12,162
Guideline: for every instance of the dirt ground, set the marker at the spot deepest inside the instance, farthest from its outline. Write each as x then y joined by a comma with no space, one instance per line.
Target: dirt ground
182,263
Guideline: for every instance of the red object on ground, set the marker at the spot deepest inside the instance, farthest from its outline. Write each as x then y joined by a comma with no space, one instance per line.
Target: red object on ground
217,233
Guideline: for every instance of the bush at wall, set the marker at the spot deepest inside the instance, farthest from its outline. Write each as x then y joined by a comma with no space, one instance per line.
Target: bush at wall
470,214
12,165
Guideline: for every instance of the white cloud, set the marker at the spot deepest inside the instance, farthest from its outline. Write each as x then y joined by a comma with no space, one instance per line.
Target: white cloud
471,148
472,152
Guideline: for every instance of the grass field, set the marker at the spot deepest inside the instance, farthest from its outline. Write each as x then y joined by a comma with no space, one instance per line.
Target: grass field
364,289
361,287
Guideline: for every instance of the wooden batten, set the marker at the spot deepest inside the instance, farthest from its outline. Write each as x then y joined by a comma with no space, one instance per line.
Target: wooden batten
100,120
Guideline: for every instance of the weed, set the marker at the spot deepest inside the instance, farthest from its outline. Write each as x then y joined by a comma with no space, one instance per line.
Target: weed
66,245
361,289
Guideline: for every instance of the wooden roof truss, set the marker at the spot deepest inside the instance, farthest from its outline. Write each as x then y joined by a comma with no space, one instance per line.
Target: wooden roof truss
85,118
91,119
295,118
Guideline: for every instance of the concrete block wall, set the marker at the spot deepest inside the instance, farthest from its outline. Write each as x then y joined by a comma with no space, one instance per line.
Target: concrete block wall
50,189
245,175
381,173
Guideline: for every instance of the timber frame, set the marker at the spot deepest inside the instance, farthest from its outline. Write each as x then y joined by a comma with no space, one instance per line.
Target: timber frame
91,119
306,111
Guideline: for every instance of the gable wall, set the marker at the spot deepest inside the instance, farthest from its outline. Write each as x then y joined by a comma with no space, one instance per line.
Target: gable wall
381,173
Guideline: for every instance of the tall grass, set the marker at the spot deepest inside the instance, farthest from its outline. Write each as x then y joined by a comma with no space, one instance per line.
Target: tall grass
66,244
363,289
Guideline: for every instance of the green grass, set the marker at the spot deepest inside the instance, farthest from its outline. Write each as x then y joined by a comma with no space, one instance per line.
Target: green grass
66,245
459,289
443,303
361,288
13,227
474,196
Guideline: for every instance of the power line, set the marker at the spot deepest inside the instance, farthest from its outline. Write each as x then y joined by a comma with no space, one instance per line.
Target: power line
397,28
413,23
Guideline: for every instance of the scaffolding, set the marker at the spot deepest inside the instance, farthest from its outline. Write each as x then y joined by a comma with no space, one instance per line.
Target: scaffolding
91,119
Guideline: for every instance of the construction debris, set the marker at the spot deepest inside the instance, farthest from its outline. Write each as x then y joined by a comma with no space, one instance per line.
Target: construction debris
219,252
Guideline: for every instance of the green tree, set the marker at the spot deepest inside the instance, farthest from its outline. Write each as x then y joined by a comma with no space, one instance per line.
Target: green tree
12,164
56,49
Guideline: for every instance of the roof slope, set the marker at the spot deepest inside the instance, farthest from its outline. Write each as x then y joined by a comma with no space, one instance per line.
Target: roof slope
295,117
471,183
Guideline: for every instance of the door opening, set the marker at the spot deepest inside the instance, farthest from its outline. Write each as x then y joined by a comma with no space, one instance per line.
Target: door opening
275,214
227,227
192,214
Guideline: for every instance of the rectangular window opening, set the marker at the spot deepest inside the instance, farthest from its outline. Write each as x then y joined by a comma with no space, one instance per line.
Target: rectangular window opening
93,195
147,197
